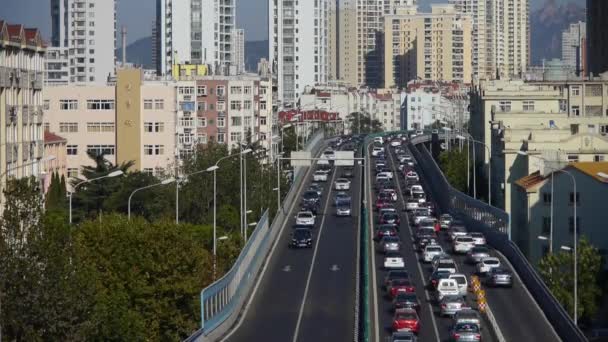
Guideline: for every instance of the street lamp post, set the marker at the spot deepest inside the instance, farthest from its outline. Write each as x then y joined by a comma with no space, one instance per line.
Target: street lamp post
109,175
165,182
221,238
461,137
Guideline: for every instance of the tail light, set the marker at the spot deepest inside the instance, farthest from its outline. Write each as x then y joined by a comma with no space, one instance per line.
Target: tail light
456,336
477,337
444,306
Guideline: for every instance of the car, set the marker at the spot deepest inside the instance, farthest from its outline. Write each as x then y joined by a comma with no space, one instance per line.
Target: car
395,142
455,231
446,287
305,218
419,214
390,218
342,198
462,332
379,140
478,239
403,300
348,172
406,320
461,281
395,274
414,188
391,193
387,209
451,304
412,175
376,150
403,336
446,265
412,204
382,176
389,244
316,187
319,176
324,166
385,173
500,276
329,154
475,254
438,258
301,238
311,196
343,209
382,202
486,264
462,244
428,223
420,196
426,241
313,207
435,277
342,184
396,286
385,230
430,251
467,316
445,220
422,233
393,260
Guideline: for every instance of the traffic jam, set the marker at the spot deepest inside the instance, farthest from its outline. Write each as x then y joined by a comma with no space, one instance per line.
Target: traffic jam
452,263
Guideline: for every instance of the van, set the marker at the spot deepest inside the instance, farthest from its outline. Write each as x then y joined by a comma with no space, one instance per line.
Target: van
462,282
379,140
447,287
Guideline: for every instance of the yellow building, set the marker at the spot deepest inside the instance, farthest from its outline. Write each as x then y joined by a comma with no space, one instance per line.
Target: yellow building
184,71
432,46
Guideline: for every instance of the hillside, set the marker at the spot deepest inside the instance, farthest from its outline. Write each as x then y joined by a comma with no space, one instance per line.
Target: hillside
139,52
254,50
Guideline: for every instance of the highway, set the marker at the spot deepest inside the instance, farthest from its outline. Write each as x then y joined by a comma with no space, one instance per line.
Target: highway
308,294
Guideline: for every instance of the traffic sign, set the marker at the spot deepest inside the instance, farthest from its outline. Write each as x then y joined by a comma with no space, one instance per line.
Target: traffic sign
300,158
345,158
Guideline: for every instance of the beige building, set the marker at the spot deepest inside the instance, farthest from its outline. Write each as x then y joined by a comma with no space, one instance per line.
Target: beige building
54,145
432,46
21,113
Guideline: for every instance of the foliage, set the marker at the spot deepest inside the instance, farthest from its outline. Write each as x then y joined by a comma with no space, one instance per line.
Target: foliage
362,123
291,141
558,273
56,196
453,163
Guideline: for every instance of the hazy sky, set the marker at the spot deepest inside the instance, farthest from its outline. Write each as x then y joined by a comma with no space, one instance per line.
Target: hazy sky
137,15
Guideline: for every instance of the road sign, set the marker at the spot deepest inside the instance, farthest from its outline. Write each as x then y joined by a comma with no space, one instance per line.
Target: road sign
300,158
345,158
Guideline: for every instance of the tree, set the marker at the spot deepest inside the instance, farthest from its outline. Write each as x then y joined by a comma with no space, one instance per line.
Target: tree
363,123
557,271
56,194
453,163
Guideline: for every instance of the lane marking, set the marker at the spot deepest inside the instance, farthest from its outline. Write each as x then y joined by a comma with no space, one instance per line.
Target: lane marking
371,248
426,291
334,268
314,255
287,268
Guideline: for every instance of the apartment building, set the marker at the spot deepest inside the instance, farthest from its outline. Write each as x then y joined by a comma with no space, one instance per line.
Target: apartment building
84,35
566,121
574,40
597,31
432,46
299,44
238,57
54,145
481,49
21,79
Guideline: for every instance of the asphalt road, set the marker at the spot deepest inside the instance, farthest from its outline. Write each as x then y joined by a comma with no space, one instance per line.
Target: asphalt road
309,294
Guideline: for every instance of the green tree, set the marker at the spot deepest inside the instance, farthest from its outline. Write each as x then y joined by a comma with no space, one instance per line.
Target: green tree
453,163
558,273
363,123
56,194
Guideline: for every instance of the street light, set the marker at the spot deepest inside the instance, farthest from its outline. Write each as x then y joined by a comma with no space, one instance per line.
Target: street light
109,175
165,182
469,139
544,238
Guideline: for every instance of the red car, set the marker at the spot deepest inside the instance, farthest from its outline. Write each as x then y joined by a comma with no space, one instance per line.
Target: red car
381,203
406,320
385,231
400,285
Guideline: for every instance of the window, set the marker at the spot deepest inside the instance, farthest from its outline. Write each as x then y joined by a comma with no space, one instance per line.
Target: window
201,90
154,150
235,105
97,127
573,129
202,138
598,158
159,127
236,121
262,120
236,90
578,199
247,104
72,150
221,106
247,90
148,104
576,110
72,172
148,170
603,129
186,122
159,104
576,90
546,228
572,158
47,127
202,122
221,91
235,136
546,198
100,104
221,138
202,106
98,150
247,121
186,90
528,106
571,224
505,106
68,127
221,122
148,127
263,105
68,104
47,104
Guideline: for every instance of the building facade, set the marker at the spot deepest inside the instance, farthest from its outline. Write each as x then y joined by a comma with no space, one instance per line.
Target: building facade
21,106
573,46
238,57
432,46
54,145
86,30
597,31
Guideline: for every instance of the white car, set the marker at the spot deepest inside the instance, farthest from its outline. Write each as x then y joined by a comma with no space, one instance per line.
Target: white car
329,154
342,184
455,232
419,217
461,281
396,143
376,151
319,176
382,176
412,204
430,251
305,218
393,260
446,265
415,188
486,264
463,244
412,176
379,140
388,175
447,287
478,239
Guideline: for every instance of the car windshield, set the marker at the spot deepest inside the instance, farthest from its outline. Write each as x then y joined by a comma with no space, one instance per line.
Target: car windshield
477,235
460,280
305,215
464,327
479,250
464,239
302,234
341,180
501,271
390,239
418,195
491,262
406,296
310,195
390,216
434,249
341,196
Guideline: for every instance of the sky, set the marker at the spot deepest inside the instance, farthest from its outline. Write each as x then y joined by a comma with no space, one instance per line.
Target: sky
138,15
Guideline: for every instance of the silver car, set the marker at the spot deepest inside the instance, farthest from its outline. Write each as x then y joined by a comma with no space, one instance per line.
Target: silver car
390,244
475,254
343,210
465,332
468,316
500,277
451,304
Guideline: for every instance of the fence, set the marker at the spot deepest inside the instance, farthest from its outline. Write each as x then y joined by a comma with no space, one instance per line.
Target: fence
222,301
495,224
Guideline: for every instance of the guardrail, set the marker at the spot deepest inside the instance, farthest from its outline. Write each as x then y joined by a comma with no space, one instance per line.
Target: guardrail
495,224
222,301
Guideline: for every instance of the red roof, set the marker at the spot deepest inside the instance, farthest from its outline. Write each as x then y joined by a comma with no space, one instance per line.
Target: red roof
14,31
50,137
24,36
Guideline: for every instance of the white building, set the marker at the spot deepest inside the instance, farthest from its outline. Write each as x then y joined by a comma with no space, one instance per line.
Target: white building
57,66
218,19
299,45
573,44
423,104
238,57
87,30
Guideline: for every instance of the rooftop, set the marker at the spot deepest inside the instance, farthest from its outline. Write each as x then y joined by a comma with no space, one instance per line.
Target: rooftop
50,137
592,169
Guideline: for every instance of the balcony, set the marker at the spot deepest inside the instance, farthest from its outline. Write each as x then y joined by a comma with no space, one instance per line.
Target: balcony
11,114
25,115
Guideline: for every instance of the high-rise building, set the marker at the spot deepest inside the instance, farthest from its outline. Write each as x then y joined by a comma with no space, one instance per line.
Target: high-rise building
238,57
597,31
299,44
196,32
573,46
432,46
86,29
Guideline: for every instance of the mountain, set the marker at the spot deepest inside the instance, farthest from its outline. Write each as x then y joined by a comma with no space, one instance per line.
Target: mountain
254,50
547,24
139,52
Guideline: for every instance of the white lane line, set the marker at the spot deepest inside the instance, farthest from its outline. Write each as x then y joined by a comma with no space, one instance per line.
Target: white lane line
314,255
370,217
268,259
426,292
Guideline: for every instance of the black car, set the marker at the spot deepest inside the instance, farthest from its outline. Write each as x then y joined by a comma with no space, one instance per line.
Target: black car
406,300
301,238
311,197
313,207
